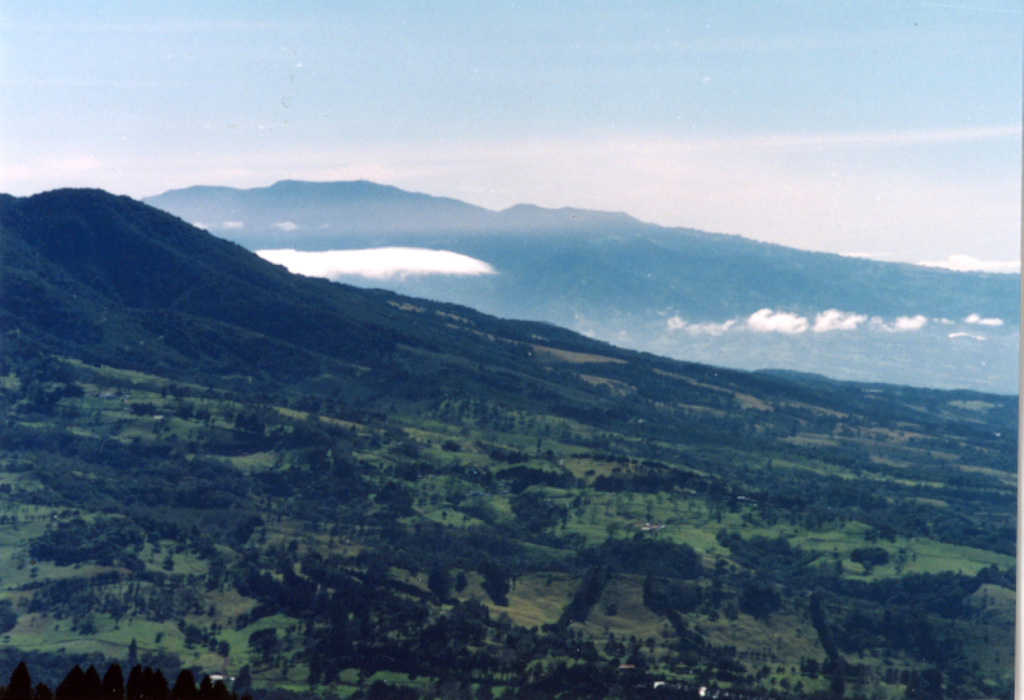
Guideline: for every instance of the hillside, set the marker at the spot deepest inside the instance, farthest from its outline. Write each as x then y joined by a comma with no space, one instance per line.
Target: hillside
206,461
672,291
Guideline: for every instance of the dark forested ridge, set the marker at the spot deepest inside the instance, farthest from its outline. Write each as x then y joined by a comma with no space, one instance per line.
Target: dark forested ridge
209,464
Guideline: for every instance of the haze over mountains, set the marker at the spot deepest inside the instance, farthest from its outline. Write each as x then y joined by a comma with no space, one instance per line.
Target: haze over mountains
713,298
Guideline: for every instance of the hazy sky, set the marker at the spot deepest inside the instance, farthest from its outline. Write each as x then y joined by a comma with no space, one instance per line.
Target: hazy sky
890,129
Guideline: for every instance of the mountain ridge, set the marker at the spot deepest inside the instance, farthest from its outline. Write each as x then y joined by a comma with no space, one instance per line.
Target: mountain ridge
539,215
678,292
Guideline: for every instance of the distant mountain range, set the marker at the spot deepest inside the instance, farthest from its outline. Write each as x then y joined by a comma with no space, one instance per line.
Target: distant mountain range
721,299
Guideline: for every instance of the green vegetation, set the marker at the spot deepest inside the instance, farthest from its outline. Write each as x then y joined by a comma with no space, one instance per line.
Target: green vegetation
392,494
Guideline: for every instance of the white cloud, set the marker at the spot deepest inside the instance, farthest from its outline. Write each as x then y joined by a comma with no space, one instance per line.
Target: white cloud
767,320
377,263
901,324
232,224
910,323
286,225
967,263
976,319
677,323
836,320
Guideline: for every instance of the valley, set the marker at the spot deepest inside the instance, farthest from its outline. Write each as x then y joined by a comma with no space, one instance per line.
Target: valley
207,462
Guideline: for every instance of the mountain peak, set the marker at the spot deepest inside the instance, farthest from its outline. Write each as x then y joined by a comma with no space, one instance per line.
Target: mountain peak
345,188
531,215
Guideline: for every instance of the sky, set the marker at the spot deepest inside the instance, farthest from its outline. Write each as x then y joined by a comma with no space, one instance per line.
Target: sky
885,129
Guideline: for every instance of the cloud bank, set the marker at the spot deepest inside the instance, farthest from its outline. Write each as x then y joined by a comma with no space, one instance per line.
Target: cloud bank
966,263
377,263
229,225
676,323
768,320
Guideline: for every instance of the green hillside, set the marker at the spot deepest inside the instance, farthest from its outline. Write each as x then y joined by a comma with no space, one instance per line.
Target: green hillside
207,462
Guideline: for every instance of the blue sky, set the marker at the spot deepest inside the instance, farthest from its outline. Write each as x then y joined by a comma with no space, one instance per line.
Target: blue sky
888,129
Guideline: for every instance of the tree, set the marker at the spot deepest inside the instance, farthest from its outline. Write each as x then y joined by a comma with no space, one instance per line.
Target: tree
220,691
496,581
927,684
759,601
112,687
134,687
869,557
838,683
20,685
184,687
156,688
243,681
73,685
440,581
91,684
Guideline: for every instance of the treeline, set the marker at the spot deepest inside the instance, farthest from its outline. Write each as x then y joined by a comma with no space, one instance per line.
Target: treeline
141,684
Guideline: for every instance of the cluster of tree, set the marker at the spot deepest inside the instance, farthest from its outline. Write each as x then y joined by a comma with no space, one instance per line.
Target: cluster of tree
107,541
648,557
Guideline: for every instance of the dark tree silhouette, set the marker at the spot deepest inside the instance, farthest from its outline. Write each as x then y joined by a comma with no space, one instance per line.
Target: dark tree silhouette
73,685
134,688
91,684
220,691
157,687
20,685
112,687
185,687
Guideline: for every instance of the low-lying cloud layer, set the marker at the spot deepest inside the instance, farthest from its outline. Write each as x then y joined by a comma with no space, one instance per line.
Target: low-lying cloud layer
770,321
967,263
676,323
377,263
220,225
